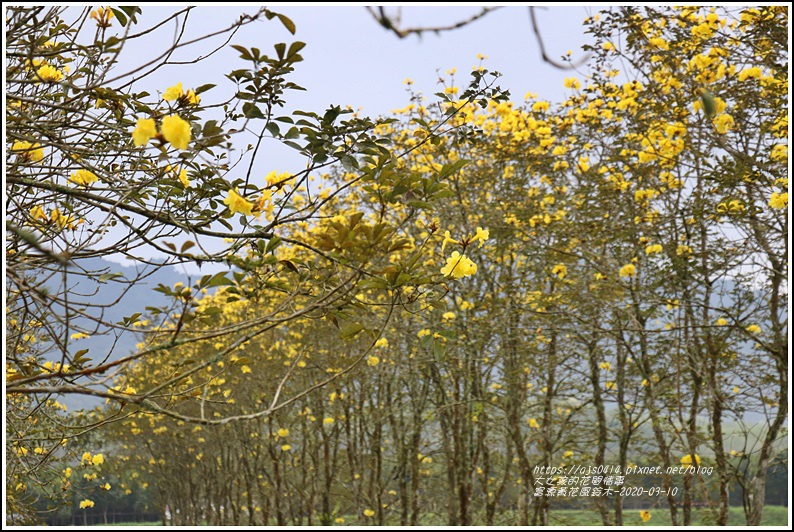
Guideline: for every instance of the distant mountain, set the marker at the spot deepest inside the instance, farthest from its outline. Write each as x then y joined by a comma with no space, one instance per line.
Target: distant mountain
117,304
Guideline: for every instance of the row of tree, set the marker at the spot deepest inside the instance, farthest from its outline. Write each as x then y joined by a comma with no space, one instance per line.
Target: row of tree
599,282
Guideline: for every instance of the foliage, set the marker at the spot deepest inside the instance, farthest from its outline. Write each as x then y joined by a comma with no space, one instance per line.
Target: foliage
100,162
624,305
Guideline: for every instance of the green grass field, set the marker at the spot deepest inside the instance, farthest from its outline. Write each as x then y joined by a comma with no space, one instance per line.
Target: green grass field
773,516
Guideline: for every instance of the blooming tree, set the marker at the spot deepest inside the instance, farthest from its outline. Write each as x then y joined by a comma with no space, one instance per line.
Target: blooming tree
103,161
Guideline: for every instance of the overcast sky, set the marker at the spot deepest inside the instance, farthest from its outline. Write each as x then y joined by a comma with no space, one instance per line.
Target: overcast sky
349,59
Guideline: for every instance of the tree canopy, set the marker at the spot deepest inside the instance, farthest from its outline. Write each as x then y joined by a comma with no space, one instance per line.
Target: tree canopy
437,308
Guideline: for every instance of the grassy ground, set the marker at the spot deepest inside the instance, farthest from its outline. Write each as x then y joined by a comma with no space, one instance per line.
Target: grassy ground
773,516
131,523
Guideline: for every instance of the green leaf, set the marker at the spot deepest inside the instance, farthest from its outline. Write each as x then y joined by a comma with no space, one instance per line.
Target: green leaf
439,304
219,279
272,127
289,265
244,53
416,204
131,12
120,15
203,88
272,244
350,330
449,335
281,48
709,103
439,350
287,23
295,47
449,169
250,110
108,276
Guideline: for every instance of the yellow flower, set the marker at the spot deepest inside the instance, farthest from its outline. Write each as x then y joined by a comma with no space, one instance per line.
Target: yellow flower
176,131
63,221
481,235
245,369
98,459
610,385
105,486
629,270
373,361
605,365
173,93
560,270
382,342
192,97
687,460
722,322
79,336
645,515
533,423
286,447
49,73
283,433
752,72
540,106
448,240
328,421
653,248
723,123
102,16
183,178
458,266
83,177
29,152
779,200
237,203
682,250
448,316
369,513
779,153
144,130
37,213
86,503
274,179
753,329
571,83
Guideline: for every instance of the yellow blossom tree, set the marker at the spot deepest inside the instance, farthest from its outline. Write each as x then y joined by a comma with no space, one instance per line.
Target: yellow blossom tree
102,161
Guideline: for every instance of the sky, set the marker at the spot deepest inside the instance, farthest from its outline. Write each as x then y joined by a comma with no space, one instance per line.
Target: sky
349,59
